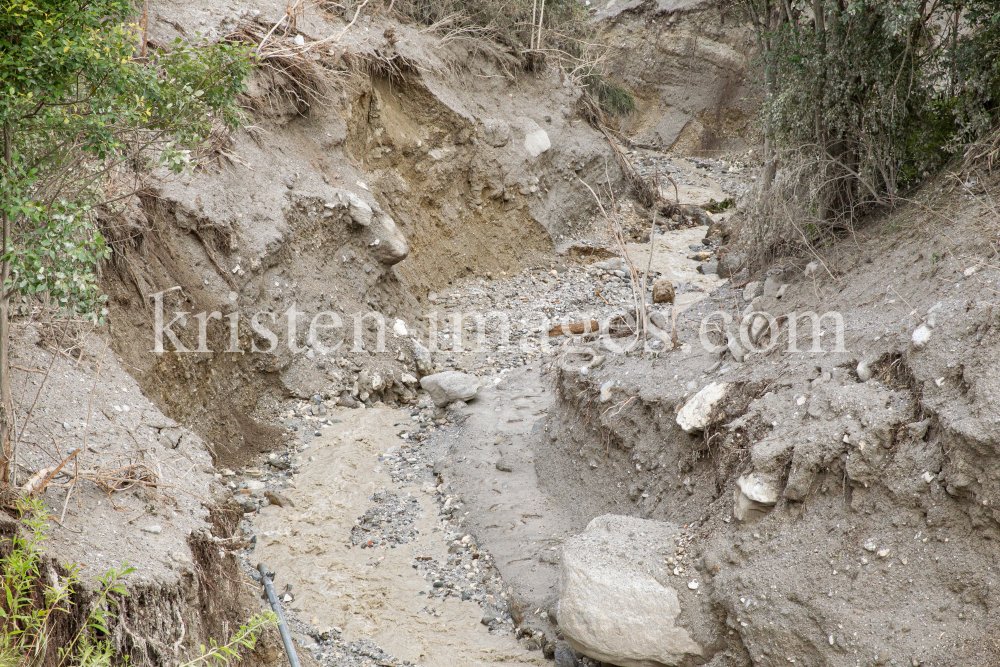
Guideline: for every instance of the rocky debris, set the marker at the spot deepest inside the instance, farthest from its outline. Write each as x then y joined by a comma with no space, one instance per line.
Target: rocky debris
450,386
696,414
616,604
468,574
663,291
387,522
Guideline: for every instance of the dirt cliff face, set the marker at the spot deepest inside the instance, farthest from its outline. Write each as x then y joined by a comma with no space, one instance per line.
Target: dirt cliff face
877,543
687,63
457,168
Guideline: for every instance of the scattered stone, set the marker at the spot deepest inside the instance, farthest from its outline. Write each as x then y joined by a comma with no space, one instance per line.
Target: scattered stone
154,529
450,386
278,499
388,521
697,411
615,610
708,268
503,465
663,291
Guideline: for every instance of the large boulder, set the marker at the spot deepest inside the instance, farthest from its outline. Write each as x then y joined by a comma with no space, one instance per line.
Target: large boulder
450,386
616,603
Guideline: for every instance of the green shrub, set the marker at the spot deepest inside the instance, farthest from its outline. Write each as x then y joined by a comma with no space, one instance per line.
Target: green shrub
30,607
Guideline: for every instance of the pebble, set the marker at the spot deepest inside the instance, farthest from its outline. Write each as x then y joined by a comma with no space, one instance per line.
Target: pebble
154,529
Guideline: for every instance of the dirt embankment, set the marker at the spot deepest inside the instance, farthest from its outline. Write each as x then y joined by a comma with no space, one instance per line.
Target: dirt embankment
881,456
416,162
687,63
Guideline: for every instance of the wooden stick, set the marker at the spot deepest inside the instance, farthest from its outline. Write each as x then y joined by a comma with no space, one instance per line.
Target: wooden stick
40,479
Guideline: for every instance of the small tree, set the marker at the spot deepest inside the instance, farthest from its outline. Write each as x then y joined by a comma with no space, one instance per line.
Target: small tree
79,98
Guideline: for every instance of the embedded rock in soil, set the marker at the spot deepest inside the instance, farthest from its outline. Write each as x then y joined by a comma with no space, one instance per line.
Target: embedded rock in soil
450,386
615,604
697,412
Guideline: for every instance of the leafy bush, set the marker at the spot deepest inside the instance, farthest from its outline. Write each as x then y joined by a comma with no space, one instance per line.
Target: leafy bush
81,100
31,607
612,98
863,99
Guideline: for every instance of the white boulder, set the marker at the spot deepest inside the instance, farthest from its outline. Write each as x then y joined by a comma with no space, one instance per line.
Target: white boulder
616,604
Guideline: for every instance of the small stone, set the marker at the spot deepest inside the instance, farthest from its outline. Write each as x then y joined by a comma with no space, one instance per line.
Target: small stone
757,489
811,269
921,335
503,465
870,546
883,553
693,585
278,499
606,391
864,371
399,328
154,529
708,268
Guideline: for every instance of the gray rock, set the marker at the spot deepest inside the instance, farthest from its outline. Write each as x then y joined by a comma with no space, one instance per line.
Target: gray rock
450,386
616,604
425,363
731,263
565,656
708,268
613,264
359,212
503,465
390,246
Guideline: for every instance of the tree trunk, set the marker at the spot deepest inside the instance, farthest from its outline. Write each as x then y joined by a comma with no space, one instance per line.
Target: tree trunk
8,453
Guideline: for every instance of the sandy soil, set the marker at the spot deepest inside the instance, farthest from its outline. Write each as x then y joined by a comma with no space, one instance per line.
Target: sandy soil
371,593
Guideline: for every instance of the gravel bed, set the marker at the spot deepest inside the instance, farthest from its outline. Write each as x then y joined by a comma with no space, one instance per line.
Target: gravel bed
387,522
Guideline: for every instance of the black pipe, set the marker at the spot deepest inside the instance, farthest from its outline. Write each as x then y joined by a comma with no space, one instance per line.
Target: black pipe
286,638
